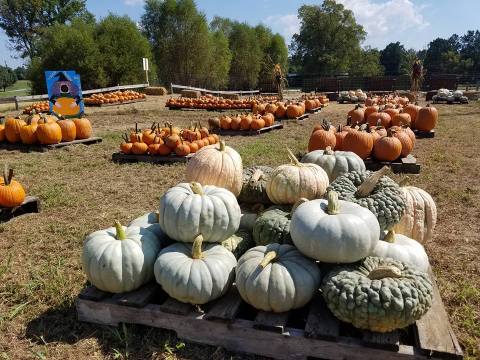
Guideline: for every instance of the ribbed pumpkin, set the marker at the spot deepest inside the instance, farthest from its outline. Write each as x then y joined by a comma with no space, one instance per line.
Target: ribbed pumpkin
150,221
392,112
281,111
387,148
28,133
340,136
49,133
401,119
357,115
217,165
322,138
269,119
12,193
384,118
294,111
378,193
2,131
83,128
412,110
271,108
276,278
359,141
254,188
370,110
12,129
389,295
69,130
420,217
427,118
273,226
235,122
289,183
246,122
405,141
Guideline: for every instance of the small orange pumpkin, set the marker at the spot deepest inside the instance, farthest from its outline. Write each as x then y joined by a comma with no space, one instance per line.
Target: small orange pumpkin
322,138
387,148
49,133
69,130
427,118
12,129
84,128
12,193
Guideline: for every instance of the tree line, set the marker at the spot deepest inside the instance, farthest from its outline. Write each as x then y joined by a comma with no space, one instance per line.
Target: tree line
185,48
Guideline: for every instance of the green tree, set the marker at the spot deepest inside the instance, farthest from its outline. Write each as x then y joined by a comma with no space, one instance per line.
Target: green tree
122,47
68,47
328,40
366,63
20,72
220,59
470,48
24,20
433,62
7,77
180,39
392,58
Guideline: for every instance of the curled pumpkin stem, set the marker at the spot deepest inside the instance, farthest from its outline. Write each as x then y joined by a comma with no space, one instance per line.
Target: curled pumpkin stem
369,184
385,271
293,158
390,237
120,232
333,207
197,247
269,257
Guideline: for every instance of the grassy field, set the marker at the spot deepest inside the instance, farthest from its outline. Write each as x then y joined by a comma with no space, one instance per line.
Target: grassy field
20,88
83,191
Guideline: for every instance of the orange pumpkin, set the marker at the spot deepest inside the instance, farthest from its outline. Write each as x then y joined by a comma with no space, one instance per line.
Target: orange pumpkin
28,133
281,111
139,148
193,147
12,193
410,134
322,138
392,112
357,115
401,119
84,128
2,132
374,118
69,130
235,123
164,150
359,141
339,137
427,118
269,119
294,111
405,141
225,122
271,108
370,110
258,123
148,135
12,129
49,133
182,149
387,148
412,110
246,122
172,140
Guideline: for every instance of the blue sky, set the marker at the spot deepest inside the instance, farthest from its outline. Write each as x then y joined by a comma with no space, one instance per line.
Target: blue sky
412,22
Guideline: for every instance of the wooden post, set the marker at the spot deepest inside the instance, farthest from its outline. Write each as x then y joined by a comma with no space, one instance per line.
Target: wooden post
16,102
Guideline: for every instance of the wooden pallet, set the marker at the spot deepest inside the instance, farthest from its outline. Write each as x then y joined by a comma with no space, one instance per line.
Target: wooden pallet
153,159
45,148
424,134
276,126
450,102
211,110
310,332
117,103
407,165
299,118
314,111
30,205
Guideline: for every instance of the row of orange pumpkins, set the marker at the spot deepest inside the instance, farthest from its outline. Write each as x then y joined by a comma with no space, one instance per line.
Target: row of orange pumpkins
411,115
365,141
290,109
387,99
37,108
243,122
44,129
113,97
167,140
210,102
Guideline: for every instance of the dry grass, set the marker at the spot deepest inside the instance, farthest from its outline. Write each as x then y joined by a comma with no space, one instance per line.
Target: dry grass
82,191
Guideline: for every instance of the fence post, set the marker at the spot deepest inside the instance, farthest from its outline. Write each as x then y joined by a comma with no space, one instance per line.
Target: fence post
16,102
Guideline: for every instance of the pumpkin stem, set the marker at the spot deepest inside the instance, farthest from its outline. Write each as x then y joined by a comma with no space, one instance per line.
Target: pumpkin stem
293,158
120,232
222,145
333,207
385,271
298,203
196,188
369,184
157,214
257,175
328,151
197,247
390,237
404,181
7,175
268,258
326,125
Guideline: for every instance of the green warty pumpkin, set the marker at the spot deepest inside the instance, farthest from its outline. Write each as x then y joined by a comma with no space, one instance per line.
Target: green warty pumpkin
273,226
254,188
377,294
239,242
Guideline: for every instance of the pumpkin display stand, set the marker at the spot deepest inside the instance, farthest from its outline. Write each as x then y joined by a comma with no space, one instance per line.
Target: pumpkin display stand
406,165
45,148
424,134
120,157
310,332
29,206
275,126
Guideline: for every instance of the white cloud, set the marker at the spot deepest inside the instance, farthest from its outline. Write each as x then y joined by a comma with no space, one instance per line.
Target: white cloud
132,2
285,25
388,20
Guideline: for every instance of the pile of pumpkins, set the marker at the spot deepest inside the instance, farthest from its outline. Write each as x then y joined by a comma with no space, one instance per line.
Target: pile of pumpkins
357,96
210,102
324,209
12,193
113,97
44,129
167,140
242,122
387,100
37,108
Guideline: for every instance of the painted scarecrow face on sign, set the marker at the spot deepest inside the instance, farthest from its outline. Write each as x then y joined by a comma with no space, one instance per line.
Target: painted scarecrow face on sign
65,96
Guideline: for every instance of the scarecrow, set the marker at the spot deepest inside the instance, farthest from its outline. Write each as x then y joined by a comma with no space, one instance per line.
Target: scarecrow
65,96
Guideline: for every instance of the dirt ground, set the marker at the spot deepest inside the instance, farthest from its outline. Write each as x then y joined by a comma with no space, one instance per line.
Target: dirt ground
82,191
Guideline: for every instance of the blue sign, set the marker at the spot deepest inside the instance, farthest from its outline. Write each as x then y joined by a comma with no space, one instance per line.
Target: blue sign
65,93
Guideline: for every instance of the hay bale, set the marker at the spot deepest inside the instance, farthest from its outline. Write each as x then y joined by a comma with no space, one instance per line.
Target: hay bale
193,94
158,91
472,95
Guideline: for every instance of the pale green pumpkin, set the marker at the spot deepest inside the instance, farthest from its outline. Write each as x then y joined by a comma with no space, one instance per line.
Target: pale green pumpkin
150,222
195,273
120,259
189,209
276,278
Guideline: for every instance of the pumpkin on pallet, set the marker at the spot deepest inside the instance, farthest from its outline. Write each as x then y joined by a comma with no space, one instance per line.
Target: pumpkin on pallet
12,193
389,294
322,137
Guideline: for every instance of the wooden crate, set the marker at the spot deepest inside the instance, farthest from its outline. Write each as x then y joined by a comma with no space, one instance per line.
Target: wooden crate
424,134
117,103
153,159
45,148
407,165
30,205
311,332
276,126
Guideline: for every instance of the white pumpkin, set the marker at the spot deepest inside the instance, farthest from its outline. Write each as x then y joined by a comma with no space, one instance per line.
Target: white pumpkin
150,222
418,221
401,248
120,259
217,165
276,278
334,231
195,275
187,210
289,183
335,163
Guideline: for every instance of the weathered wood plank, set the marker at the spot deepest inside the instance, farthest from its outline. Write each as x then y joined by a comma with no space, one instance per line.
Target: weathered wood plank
153,159
138,298
226,308
434,333
173,306
45,148
271,321
299,118
388,341
407,165
276,126
29,206
424,134
117,103
321,324
94,294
